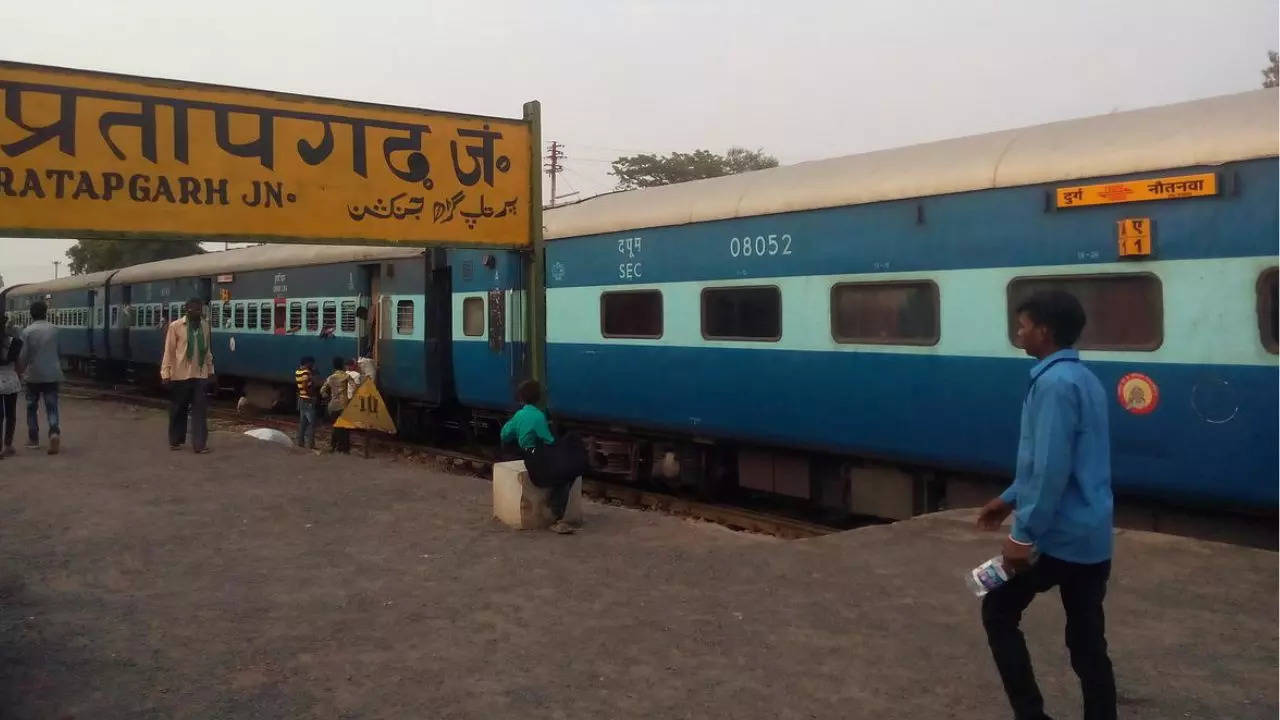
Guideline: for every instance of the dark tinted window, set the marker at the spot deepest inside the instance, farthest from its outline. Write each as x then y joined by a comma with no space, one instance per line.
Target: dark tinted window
1122,311
742,313
1269,309
890,313
632,314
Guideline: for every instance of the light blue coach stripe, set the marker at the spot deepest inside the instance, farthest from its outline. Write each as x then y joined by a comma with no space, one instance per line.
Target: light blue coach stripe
1210,312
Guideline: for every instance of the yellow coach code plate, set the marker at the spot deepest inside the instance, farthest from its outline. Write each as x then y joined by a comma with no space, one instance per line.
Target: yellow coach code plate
86,154
1133,237
1167,188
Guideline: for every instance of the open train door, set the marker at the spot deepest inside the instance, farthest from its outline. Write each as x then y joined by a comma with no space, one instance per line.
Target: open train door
371,332
95,303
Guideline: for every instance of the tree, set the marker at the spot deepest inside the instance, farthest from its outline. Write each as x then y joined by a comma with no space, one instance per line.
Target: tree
94,255
649,170
1271,73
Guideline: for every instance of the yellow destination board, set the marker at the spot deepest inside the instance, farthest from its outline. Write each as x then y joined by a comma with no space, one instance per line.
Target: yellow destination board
1168,188
366,411
86,154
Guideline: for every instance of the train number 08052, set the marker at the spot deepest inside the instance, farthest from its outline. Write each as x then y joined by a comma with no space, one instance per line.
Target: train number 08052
760,245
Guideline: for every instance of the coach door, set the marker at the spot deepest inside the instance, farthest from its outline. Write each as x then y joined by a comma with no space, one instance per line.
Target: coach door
124,322
91,326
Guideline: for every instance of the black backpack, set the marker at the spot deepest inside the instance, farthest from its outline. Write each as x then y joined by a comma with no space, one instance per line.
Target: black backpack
558,463
11,351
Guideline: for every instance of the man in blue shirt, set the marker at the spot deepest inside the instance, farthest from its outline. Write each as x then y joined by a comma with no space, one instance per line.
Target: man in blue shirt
1061,503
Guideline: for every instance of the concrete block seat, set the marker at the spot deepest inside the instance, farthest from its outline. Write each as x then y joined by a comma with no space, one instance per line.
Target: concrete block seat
522,505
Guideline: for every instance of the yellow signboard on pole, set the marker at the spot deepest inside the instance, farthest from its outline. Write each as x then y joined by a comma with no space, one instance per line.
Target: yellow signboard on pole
86,154
366,411
1166,188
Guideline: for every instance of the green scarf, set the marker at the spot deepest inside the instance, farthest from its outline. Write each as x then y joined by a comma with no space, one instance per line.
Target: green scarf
195,336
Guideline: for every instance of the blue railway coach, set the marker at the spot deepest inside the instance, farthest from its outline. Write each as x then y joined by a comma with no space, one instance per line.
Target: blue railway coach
776,325
75,304
837,331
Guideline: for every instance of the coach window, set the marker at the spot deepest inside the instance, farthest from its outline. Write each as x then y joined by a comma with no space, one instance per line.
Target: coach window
115,316
264,316
313,316
473,316
252,316
239,315
99,317
1122,311
404,317
742,313
329,315
348,316
631,314
885,313
295,316
1269,309
215,315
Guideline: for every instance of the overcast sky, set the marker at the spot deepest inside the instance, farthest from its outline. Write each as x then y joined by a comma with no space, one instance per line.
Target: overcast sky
801,79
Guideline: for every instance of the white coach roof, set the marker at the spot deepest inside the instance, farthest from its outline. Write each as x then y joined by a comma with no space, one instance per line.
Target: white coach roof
260,257
1203,132
70,282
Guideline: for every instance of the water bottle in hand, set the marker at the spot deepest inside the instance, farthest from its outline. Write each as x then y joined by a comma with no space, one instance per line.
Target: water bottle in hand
991,574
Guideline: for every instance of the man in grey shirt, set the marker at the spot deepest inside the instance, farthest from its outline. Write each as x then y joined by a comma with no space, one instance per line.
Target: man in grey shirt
41,368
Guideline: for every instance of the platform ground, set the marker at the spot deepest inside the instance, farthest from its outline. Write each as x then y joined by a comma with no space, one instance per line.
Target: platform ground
263,582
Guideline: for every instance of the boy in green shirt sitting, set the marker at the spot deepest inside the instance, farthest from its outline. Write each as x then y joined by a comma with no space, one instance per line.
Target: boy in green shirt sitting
528,428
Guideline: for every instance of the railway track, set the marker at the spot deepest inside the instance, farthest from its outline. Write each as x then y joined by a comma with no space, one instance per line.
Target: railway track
223,416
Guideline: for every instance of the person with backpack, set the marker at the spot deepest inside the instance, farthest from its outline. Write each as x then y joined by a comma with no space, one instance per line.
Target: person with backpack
337,389
550,465
10,384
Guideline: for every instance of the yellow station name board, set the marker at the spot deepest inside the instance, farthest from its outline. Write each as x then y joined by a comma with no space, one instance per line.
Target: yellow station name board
1168,188
86,154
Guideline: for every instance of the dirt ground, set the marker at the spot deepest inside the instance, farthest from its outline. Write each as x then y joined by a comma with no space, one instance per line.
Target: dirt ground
264,582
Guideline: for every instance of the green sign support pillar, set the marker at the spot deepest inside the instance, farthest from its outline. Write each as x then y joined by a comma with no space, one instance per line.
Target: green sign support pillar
536,263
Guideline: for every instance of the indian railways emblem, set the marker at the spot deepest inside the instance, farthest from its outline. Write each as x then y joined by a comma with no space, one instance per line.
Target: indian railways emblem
1138,393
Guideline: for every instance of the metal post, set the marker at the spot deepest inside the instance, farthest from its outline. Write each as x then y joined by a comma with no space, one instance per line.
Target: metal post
536,263
553,169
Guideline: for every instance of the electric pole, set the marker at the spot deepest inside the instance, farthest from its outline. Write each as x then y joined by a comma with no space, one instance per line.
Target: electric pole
55,269
553,166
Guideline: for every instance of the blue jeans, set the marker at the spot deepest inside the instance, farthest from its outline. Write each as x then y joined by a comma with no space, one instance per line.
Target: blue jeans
306,423
49,391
